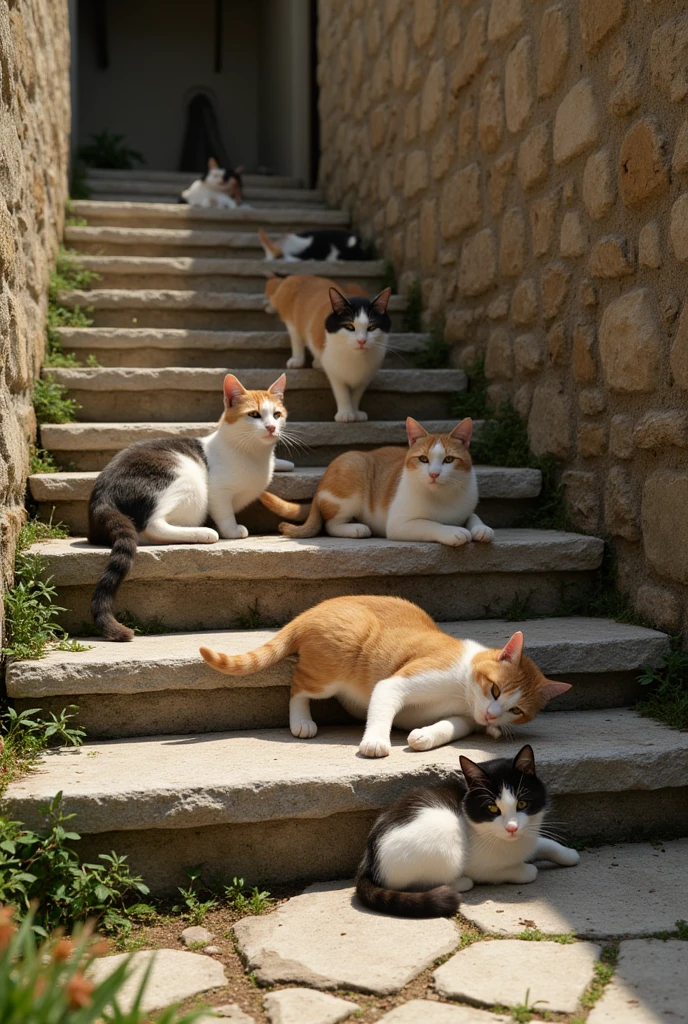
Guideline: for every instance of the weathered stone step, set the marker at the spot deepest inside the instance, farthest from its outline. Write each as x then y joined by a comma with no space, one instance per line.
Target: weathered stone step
222,275
161,191
150,307
91,445
178,215
117,241
159,684
261,199
278,808
131,346
183,178
122,394
206,586
503,492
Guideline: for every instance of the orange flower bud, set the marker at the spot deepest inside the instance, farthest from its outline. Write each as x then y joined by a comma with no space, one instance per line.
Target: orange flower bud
79,991
7,927
63,950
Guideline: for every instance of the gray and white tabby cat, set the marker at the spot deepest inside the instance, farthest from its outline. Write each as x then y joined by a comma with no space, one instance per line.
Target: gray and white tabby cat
438,841
162,491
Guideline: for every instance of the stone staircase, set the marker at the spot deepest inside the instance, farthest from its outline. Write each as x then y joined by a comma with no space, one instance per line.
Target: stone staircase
184,766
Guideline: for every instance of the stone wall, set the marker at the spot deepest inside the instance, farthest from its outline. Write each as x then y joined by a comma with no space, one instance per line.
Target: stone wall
34,145
527,161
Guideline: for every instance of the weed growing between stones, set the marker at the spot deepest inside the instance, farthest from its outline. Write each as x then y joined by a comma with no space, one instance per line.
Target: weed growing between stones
51,404
604,600
435,355
414,308
194,909
473,401
23,736
604,969
667,688
29,605
253,618
237,897
67,276
681,932
535,935
41,461
245,899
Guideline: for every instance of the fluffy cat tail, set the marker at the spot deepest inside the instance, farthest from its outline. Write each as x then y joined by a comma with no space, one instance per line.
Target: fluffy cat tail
121,533
288,509
271,249
312,526
246,664
442,901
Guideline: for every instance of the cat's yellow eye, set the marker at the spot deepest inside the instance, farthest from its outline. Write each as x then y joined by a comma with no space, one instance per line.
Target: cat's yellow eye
495,691
516,711
350,327
423,458
256,415
521,804
493,808
449,458
277,414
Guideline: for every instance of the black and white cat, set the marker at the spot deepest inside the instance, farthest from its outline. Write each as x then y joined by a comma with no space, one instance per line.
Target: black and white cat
162,491
326,244
218,187
438,841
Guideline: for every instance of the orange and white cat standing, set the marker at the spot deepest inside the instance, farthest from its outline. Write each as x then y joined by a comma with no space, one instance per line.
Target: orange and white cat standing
428,492
387,662
345,333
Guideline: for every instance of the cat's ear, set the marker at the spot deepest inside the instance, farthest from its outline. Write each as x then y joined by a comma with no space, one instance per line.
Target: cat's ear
525,760
379,303
213,165
279,387
233,390
414,431
513,650
551,689
472,772
340,304
463,431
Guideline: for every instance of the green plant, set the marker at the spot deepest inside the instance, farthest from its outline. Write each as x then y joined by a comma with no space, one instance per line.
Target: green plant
48,983
67,275
414,308
51,403
23,737
247,900
41,461
29,607
149,627
44,868
667,686
196,909
473,401
535,935
435,354
604,969
108,150
604,599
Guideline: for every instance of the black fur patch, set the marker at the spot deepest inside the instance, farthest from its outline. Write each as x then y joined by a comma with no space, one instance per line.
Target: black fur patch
351,308
325,239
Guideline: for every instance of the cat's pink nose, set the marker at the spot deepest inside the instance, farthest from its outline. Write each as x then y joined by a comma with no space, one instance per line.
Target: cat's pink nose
433,476
270,427
512,827
489,716
361,342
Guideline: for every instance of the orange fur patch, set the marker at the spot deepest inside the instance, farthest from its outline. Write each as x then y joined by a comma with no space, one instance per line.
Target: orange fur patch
302,301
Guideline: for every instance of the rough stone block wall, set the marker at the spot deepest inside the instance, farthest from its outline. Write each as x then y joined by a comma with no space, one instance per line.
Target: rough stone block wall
34,147
527,161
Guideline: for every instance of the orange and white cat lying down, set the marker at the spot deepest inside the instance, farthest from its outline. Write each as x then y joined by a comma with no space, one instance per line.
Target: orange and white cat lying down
345,333
426,492
387,662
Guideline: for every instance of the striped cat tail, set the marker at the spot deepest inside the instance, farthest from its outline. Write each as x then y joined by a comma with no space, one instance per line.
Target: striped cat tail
246,664
441,901
312,526
288,509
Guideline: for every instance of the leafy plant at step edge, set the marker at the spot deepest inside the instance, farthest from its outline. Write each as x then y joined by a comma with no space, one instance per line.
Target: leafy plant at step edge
48,983
666,697
109,151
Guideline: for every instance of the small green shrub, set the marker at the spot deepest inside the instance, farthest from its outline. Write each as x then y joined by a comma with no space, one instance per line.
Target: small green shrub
48,983
41,461
23,736
667,688
473,401
414,308
604,970
67,275
194,909
108,151
435,354
246,900
51,402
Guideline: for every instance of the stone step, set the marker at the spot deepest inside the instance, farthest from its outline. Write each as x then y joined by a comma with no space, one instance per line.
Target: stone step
115,241
183,178
208,310
144,687
222,275
122,346
277,808
169,191
256,204
130,394
179,215
89,446
504,495
192,586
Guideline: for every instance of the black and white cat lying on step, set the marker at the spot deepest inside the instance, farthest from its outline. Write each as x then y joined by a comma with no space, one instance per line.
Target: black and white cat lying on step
219,187
327,244
438,841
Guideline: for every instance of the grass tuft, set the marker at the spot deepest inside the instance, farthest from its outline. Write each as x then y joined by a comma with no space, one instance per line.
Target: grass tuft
435,355
666,699
41,461
51,402
604,970
67,275
535,935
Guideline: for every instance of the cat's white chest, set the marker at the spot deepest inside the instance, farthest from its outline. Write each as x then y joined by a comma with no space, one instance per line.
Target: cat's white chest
348,365
450,505
185,502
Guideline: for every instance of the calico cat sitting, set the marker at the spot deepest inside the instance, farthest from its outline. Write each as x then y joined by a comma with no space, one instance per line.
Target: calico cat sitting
162,491
387,661
426,492
329,244
345,333
218,187
438,841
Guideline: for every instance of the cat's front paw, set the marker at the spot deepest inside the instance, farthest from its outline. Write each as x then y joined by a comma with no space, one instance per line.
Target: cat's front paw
455,536
567,857
296,362
482,533
528,873
374,746
494,731
237,532
306,729
207,536
421,739
360,416
463,884
345,416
